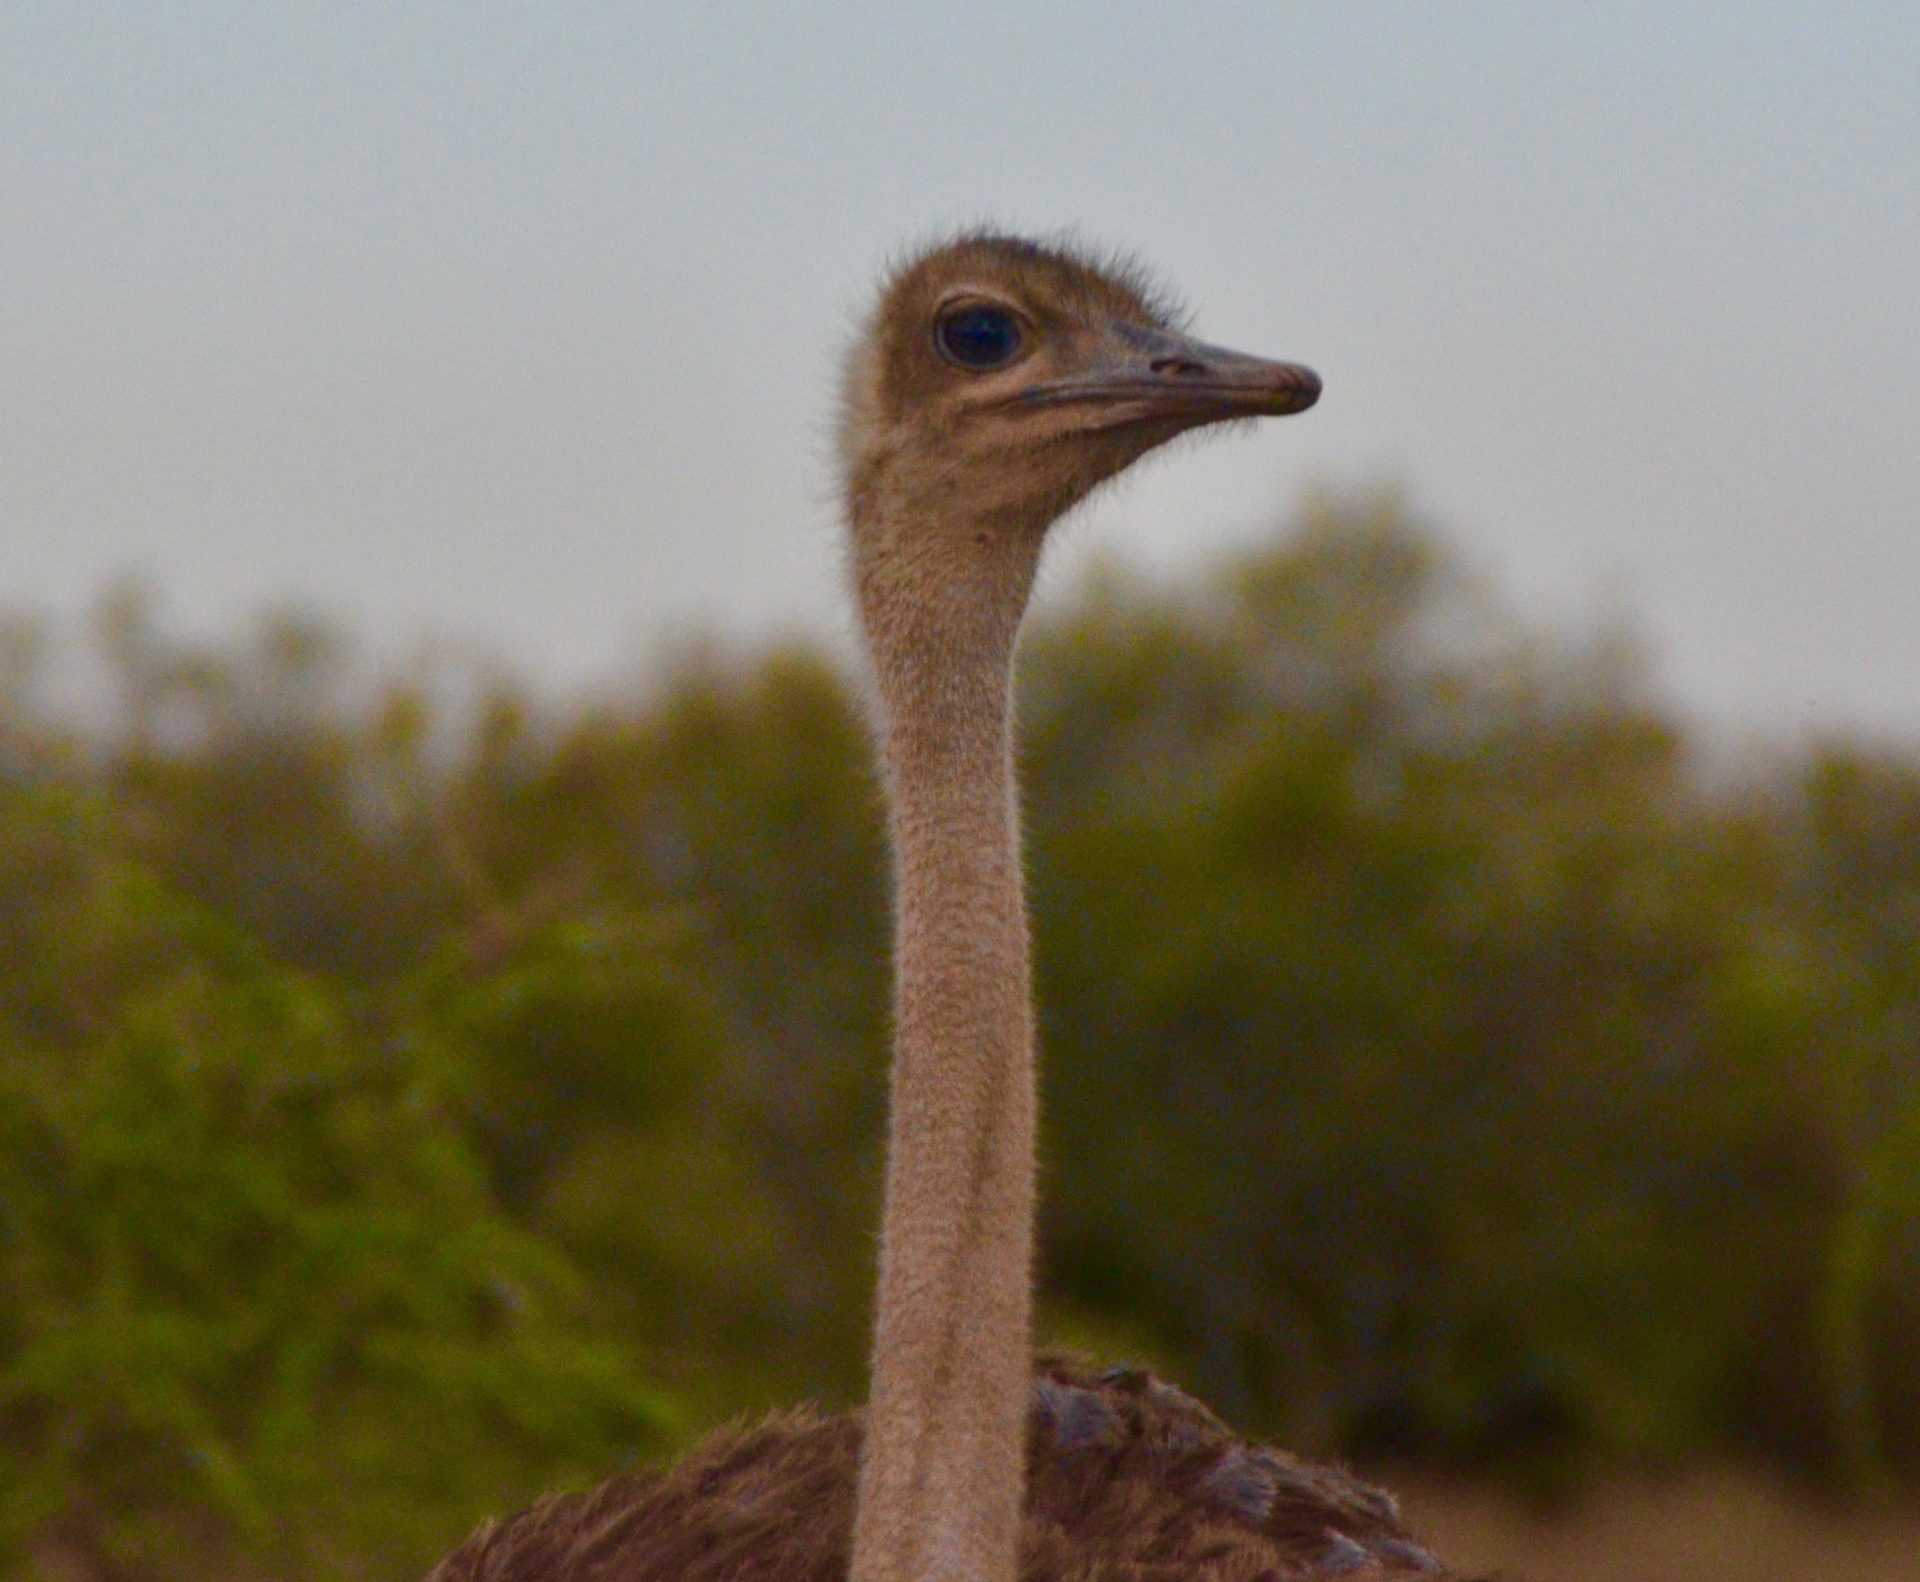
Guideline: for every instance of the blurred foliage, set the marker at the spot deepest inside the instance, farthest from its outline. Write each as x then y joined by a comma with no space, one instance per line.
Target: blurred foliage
413,1097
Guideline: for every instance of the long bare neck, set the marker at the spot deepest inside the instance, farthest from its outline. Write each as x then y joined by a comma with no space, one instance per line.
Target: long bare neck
943,1476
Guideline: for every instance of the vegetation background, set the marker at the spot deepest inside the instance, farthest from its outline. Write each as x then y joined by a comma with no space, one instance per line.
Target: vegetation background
414,1095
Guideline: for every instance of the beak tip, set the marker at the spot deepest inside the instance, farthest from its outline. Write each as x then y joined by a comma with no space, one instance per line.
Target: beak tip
1302,389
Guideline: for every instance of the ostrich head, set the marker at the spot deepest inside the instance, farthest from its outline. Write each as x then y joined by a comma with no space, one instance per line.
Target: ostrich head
996,384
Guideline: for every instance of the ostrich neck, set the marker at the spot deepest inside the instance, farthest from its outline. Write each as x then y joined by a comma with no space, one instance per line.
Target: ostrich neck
942,1479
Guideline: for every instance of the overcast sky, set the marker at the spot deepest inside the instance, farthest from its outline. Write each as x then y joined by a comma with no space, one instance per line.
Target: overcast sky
520,321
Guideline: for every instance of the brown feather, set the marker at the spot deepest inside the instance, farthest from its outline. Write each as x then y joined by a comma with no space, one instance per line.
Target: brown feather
1130,1480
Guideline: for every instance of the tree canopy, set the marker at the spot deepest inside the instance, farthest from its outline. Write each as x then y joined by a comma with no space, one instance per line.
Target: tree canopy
414,1097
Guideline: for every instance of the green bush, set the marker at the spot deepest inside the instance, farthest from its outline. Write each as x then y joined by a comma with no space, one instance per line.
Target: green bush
407,1104
258,1285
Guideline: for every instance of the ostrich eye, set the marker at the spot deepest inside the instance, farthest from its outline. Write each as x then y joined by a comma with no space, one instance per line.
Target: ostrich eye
978,336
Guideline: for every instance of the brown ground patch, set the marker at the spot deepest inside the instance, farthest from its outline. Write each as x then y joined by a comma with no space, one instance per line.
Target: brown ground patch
1690,1527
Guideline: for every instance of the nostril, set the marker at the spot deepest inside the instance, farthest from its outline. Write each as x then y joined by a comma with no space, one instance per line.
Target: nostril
1179,367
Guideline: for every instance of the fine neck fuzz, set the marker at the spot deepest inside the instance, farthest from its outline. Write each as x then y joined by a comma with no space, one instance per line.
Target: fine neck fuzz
943,1477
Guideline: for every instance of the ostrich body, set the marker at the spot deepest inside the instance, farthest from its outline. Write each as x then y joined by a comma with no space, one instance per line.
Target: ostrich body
997,383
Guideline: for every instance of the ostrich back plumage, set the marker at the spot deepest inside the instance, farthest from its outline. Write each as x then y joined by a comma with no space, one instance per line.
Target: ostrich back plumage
1130,1480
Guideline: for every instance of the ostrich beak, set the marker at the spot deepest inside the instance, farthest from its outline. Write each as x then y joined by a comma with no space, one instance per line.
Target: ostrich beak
1157,376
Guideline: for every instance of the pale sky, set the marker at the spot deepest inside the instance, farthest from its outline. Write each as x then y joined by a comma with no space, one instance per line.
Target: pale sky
520,322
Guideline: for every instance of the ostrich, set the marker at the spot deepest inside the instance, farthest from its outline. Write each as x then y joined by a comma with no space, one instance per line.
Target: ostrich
997,383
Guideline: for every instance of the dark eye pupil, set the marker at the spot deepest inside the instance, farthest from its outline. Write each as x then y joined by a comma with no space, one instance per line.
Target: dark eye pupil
979,336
